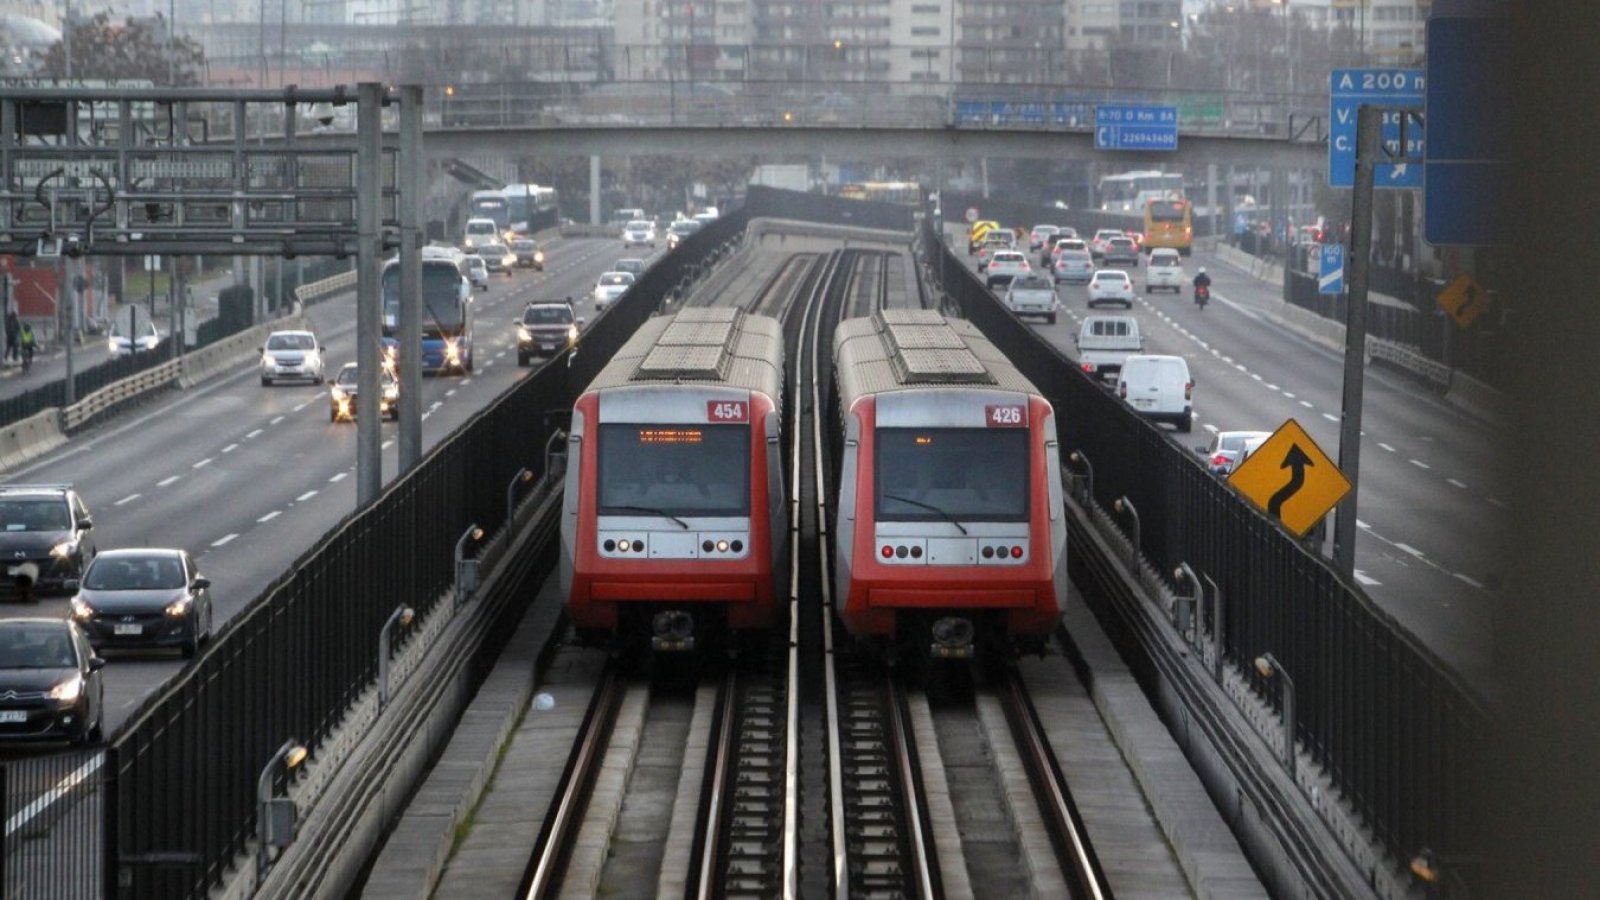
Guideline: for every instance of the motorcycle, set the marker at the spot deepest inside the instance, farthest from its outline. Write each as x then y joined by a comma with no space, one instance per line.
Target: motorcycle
1202,294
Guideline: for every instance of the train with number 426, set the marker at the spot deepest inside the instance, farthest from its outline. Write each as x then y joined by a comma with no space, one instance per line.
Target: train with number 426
949,539
673,524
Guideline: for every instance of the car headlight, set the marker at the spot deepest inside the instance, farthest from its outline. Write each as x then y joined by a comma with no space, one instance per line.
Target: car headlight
538,257
391,393
523,334
64,550
81,611
69,690
111,345
180,607
337,393
572,334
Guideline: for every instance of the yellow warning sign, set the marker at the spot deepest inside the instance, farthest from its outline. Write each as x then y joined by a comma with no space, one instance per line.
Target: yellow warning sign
1464,299
1291,479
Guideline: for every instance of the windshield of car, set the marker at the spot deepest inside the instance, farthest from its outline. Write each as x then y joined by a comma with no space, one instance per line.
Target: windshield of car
494,250
1111,276
688,226
966,473
547,315
42,514
1008,257
36,645
1030,283
134,573
612,279
1069,245
524,246
1070,256
1164,259
681,470
1120,243
291,342
347,378
638,225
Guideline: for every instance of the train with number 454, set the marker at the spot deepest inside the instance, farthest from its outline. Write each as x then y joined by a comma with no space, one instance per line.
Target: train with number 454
949,537
672,526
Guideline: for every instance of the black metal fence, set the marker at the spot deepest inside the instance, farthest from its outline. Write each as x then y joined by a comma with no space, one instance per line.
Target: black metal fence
47,844
1396,730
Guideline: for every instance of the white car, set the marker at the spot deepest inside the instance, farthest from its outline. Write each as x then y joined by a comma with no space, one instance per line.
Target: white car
1004,266
291,355
1164,270
1159,388
1110,286
610,286
639,233
477,271
145,338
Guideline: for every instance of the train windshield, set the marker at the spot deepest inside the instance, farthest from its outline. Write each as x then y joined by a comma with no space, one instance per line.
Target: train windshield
676,470
965,474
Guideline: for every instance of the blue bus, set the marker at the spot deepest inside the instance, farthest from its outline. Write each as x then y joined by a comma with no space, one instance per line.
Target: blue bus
446,311
516,208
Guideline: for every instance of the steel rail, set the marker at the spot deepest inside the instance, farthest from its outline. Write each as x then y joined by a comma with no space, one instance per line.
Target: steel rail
713,790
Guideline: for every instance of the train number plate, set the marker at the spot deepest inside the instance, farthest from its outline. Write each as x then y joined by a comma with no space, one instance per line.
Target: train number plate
1005,416
727,411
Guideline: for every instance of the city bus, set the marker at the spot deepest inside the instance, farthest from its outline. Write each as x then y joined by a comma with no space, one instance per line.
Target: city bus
1169,223
1127,193
905,193
511,207
446,311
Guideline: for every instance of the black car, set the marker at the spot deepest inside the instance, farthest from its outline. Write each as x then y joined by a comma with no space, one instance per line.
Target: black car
50,685
45,538
546,328
144,598
529,254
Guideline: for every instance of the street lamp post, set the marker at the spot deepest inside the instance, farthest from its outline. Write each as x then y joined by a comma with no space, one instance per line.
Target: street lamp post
275,817
1269,668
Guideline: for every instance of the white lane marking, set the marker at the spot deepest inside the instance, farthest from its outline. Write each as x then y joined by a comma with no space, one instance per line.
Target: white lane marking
270,516
426,415
450,393
1366,580
223,540
339,477
1271,387
276,420
302,406
1289,395
1330,417
487,363
500,354
166,481
1495,501
1420,464
1241,368
48,798
1228,360
202,463
1255,376
1407,548
252,434
1458,483
230,448
1461,577
1362,525
1203,345
466,381
128,499
304,497
435,405
1306,404
1210,427
1385,446
387,444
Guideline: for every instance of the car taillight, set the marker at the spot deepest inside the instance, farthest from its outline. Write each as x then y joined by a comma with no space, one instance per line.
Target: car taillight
1188,390
1221,459
1088,367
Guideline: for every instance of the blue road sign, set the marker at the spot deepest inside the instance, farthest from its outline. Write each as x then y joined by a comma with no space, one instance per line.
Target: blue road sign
1348,90
1469,130
1129,127
1330,278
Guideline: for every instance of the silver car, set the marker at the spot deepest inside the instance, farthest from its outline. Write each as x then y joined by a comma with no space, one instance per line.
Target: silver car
1229,448
291,355
477,271
609,287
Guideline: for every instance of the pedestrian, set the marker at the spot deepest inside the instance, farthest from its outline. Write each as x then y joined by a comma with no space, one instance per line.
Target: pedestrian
28,344
13,327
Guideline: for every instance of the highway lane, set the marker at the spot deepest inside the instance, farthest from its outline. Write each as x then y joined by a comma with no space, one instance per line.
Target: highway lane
1429,508
247,478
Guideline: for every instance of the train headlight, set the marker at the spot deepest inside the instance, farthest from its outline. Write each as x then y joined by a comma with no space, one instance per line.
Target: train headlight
722,546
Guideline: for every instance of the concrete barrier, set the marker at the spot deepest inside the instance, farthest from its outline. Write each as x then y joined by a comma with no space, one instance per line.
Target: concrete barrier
30,438
1474,396
333,284
76,415
231,351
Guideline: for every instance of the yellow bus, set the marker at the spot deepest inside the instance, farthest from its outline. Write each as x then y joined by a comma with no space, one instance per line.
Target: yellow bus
1169,223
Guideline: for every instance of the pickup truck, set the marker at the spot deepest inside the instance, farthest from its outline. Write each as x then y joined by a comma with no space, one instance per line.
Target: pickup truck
1105,341
1032,295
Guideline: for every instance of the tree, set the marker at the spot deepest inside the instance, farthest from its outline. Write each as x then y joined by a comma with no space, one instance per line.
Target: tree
133,49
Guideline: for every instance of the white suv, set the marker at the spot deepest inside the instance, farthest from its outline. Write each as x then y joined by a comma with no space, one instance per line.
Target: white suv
1004,266
291,355
639,233
1164,271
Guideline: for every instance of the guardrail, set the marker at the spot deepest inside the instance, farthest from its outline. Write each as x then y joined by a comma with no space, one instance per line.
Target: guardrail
333,284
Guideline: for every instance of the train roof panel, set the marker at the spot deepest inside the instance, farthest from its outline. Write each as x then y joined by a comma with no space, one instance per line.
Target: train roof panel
908,349
706,346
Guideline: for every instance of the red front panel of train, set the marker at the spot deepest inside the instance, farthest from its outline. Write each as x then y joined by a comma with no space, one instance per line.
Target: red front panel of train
990,567
684,470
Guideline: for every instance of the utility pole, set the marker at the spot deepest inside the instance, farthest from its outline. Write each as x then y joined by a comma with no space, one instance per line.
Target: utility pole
1369,127
409,351
369,254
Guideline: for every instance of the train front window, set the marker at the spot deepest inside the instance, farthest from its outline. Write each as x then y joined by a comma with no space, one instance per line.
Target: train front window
676,470
966,474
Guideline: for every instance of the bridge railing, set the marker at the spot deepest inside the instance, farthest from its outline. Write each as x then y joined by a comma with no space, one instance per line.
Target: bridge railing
1396,731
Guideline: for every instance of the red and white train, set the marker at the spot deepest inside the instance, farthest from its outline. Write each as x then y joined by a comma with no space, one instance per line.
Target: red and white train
950,535
673,523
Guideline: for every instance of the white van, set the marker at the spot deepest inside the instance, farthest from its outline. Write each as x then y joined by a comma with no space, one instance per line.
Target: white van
480,232
1164,271
1158,388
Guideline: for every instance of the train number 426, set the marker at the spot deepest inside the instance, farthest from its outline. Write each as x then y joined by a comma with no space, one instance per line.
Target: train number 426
1006,416
727,411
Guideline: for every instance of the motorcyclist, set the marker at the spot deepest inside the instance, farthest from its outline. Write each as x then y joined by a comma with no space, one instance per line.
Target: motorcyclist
1202,286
